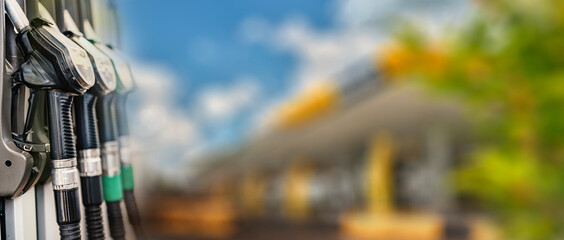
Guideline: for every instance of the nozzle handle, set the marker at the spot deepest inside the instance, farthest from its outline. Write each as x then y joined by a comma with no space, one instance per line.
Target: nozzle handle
85,122
123,126
107,122
61,126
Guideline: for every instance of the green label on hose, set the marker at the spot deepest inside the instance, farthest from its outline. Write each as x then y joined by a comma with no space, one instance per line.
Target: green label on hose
113,190
127,177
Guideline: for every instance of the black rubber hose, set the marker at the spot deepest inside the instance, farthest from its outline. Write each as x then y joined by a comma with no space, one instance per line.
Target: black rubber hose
115,220
87,138
133,213
107,122
68,213
128,195
94,223
69,231
61,137
92,200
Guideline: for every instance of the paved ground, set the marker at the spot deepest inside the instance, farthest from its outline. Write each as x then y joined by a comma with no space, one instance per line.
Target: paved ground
272,231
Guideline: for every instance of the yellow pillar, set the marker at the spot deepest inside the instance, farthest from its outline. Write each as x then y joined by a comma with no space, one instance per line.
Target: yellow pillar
297,191
379,172
253,192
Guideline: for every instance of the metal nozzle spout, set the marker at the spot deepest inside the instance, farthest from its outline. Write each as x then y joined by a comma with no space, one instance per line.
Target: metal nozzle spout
16,14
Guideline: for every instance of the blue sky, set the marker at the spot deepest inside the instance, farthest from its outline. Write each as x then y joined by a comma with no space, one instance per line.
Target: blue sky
171,32
205,80
200,42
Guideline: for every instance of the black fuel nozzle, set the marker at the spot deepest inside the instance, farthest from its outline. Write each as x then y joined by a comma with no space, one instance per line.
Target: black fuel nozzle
88,142
57,65
53,61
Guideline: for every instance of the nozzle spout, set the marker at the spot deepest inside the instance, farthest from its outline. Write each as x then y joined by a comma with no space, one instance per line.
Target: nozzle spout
16,14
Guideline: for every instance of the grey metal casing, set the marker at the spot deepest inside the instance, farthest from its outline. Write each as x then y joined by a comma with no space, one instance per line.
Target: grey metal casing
15,164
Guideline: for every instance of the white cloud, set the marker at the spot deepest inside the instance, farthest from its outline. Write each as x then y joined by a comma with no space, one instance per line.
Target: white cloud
362,27
224,102
163,132
168,137
322,54
382,13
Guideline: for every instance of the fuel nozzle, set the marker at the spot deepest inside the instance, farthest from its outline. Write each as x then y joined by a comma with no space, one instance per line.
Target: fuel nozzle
62,68
88,142
52,60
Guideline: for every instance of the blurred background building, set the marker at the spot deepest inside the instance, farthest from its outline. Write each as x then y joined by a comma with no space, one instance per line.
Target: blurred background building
347,119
